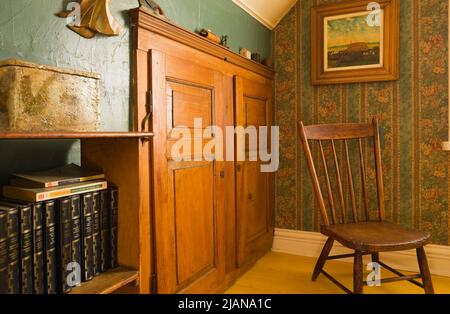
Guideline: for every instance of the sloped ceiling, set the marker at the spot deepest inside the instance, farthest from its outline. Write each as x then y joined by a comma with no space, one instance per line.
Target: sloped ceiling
268,12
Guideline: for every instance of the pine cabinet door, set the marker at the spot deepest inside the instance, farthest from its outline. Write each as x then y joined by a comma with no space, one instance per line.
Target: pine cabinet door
191,195
254,188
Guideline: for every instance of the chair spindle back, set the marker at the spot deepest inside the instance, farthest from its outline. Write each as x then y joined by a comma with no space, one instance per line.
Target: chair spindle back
344,133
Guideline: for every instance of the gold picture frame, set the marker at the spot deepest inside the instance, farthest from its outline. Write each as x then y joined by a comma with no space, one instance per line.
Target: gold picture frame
355,41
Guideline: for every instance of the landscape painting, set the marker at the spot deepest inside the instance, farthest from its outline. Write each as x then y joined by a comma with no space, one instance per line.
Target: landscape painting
353,41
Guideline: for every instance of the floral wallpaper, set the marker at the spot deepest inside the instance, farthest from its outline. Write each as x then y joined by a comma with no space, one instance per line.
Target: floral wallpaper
413,113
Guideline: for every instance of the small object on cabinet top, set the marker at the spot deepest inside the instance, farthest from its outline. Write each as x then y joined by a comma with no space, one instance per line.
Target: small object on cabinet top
268,62
256,57
224,41
208,34
245,53
156,8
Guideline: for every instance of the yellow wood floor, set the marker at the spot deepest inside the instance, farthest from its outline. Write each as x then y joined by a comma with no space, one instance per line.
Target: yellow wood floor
281,273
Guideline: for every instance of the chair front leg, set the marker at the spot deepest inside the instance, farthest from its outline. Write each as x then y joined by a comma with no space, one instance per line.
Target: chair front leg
323,258
425,271
358,283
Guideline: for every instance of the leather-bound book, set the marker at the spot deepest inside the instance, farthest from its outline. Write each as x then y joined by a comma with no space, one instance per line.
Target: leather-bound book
26,248
114,219
76,231
3,252
25,211
105,256
64,242
13,249
96,236
38,249
87,268
50,277
66,175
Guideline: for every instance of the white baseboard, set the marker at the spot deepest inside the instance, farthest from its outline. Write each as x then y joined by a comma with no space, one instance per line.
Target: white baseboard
311,243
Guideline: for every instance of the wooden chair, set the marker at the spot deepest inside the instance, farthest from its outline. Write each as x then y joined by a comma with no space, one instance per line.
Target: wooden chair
364,236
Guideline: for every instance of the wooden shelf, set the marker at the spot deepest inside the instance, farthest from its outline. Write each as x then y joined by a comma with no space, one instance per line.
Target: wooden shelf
71,135
108,282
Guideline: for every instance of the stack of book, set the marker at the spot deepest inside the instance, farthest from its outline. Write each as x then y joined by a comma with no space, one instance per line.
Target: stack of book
58,228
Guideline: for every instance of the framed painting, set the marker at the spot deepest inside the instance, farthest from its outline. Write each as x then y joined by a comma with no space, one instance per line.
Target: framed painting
355,41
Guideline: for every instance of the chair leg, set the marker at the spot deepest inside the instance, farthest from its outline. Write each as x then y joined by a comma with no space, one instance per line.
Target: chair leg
425,271
358,273
323,258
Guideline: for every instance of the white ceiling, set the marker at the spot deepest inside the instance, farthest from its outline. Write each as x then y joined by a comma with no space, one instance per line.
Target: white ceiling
268,12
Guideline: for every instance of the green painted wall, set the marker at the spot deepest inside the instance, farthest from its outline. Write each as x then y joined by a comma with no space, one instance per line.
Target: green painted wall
223,17
29,30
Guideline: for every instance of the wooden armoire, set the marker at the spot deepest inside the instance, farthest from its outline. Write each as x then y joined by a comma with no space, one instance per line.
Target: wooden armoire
211,219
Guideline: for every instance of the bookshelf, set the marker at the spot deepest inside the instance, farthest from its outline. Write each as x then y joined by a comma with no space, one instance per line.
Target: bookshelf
71,135
108,282
124,157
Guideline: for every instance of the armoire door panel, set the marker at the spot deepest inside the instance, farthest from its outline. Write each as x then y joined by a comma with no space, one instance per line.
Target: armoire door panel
187,102
255,111
254,199
195,216
180,69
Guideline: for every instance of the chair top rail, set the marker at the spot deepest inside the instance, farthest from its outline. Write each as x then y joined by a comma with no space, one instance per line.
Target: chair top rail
339,131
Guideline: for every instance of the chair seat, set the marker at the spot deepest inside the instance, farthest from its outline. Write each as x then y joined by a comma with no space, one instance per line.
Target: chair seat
376,236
